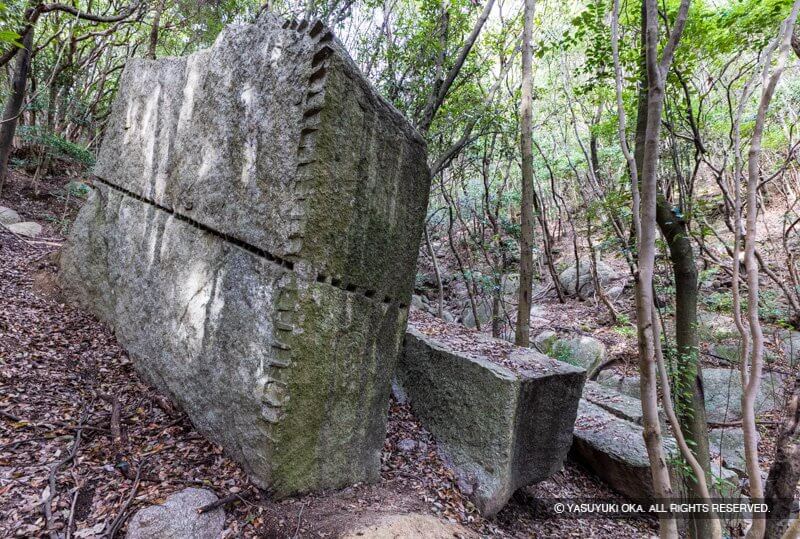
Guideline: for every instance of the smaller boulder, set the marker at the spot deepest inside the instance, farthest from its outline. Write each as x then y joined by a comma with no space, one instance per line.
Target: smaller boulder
484,314
569,278
727,444
28,229
545,340
177,518
627,384
715,327
581,351
723,393
8,216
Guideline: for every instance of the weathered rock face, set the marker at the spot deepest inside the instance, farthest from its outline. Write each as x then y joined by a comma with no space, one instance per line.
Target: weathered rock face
613,449
502,426
569,278
609,441
237,243
723,394
583,351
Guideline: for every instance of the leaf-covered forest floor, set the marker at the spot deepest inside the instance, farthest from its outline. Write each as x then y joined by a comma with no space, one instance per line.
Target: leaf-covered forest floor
80,428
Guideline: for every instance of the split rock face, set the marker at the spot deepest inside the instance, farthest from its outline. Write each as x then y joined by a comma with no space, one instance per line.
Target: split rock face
252,239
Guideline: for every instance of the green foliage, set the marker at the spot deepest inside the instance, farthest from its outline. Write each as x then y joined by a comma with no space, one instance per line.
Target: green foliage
55,146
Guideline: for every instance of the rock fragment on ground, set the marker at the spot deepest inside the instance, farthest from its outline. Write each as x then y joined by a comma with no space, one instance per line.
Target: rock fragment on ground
8,216
29,229
723,394
502,425
177,518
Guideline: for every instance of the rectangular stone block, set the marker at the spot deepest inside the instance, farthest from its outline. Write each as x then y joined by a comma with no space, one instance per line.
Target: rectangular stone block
501,424
252,240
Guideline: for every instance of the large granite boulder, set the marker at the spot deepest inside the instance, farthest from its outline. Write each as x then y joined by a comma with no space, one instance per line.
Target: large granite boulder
627,384
580,281
502,415
609,441
727,446
236,241
618,404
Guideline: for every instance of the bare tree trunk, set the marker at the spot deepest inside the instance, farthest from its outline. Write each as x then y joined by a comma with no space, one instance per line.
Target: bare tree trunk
647,327
154,30
14,104
522,335
439,287
784,474
440,90
752,379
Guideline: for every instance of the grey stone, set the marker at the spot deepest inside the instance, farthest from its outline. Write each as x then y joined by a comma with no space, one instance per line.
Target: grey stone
569,278
582,351
447,316
177,518
417,303
8,216
715,327
727,444
237,244
731,352
500,427
406,445
615,292
544,341
28,229
723,394
613,449
619,404
510,284
484,314
627,384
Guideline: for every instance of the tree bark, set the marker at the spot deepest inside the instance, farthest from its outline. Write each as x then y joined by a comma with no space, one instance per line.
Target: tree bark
14,104
752,380
154,30
656,70
522,334
784,474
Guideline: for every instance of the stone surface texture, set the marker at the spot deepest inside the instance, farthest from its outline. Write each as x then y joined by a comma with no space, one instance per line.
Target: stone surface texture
252,238
723,394
609,441
26,228
8,216
177,518
585,289
501,428
410,526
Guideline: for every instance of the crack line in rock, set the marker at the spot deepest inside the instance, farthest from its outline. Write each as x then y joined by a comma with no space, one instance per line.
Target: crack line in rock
252,249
